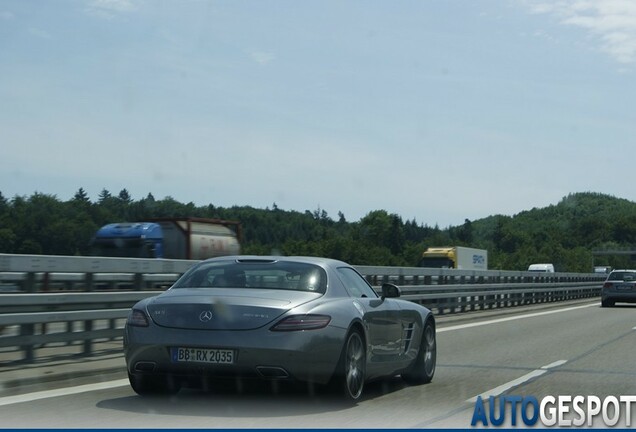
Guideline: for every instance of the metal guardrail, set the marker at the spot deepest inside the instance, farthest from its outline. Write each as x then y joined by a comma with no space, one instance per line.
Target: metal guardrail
451,291
38,273
66,300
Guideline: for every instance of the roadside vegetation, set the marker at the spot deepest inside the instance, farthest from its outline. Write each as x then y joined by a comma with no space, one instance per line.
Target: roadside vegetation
564,234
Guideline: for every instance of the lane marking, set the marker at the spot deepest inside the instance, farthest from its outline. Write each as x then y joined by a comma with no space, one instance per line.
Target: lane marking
29,397
514,383
513,318
555,364
507,386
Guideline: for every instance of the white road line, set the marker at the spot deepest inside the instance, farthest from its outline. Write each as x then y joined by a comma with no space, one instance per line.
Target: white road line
507,386
514,383
512,318
555,364
10,400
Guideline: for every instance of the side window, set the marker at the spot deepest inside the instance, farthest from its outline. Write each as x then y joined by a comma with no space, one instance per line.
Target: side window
355,284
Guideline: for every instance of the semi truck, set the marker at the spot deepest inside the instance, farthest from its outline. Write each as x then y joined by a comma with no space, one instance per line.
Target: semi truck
174,238
455,257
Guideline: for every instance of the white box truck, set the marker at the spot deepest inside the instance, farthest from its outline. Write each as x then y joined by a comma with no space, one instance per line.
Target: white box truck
455,257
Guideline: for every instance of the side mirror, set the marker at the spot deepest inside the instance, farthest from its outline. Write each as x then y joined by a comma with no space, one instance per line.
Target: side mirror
390,290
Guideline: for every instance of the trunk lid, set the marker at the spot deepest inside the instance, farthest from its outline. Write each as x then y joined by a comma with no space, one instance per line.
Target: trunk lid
223,308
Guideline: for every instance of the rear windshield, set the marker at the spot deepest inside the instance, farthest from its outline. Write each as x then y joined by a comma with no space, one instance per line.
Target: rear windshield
282,275
622,276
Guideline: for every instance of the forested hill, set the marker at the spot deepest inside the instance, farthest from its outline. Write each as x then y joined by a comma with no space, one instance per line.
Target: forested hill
564,234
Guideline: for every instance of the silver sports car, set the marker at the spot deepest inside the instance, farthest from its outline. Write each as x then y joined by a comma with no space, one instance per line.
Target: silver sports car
307,319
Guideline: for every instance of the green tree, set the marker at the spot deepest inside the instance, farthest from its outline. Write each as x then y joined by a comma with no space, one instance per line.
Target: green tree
7,240
104,195
564,234
81,196
125,196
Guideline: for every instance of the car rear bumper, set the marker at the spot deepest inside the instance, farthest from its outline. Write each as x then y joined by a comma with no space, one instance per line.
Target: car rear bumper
297,355
618,296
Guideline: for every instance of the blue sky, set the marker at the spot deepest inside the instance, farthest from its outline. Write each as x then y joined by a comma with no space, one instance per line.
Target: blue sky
438,111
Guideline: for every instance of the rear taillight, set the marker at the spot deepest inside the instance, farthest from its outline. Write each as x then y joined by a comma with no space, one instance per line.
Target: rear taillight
302,322
137,318
607,285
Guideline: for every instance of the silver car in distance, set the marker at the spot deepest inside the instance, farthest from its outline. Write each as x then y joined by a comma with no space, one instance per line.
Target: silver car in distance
306,319
620,286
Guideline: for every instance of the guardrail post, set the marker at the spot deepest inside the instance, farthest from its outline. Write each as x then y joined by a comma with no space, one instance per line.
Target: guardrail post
45,281
89,282
29,284
69,329
88,343
138,282
28,350
112,325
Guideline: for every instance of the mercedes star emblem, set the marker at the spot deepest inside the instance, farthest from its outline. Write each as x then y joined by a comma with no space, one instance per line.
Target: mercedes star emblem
205,316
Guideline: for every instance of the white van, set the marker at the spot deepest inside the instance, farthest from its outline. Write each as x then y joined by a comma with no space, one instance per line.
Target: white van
542,268
602,269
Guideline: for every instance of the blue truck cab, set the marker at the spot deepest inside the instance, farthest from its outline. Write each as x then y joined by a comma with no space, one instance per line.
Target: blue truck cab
136,240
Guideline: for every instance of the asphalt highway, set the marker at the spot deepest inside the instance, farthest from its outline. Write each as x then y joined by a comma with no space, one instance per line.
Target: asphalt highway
569,349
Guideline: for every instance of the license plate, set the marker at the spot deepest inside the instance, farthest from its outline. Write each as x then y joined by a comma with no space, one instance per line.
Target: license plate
624,286
202,355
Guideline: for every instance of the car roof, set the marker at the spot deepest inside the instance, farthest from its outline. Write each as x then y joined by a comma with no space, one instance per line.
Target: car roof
323,262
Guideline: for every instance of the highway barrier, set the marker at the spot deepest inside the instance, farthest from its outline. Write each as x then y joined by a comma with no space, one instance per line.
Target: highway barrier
77,301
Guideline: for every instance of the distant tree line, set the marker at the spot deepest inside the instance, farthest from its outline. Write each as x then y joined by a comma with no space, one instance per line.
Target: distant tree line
564,234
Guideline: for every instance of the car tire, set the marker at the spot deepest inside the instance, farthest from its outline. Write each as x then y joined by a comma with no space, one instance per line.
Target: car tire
148,385
351,371
423,369
607,303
